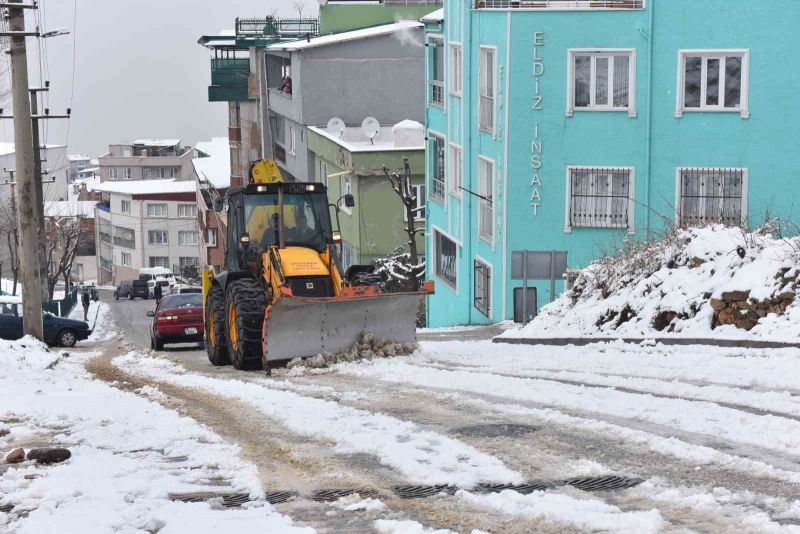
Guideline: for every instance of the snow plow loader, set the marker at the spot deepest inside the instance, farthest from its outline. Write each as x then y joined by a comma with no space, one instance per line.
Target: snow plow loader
283,293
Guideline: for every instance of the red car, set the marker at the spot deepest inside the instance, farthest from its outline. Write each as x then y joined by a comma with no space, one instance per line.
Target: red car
178,319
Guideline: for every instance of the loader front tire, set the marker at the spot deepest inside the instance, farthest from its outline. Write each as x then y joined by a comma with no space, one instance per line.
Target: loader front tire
246,303
216,340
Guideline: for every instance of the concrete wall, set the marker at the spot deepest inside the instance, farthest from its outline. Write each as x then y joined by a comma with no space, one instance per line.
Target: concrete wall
138,164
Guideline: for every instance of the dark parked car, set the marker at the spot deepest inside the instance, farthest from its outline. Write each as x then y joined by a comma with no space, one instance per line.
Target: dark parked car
57,330
132,289
178,319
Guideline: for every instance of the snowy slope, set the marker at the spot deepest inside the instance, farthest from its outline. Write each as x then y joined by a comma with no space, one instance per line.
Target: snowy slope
627,294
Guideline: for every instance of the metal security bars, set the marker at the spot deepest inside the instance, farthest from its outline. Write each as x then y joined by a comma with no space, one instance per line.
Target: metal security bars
437,177
559,4
272,27
711,195
445,252
600,197
483,284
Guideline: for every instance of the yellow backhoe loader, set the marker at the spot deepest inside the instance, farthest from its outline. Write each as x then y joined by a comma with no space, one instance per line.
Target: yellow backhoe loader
284,294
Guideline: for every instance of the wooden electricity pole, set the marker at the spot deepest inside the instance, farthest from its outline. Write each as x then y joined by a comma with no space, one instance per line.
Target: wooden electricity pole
28,216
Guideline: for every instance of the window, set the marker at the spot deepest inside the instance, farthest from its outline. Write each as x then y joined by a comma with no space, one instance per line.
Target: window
713,80
187,210
157,237
280,130
487,89
124,237
456,167
436,152
482,275
156,210
160,172
127,260
112,174
211,237
419,205
323,173
602,80
456,67
233,115
188,261
173,172
347,189
125,206
127,174
445,255
600,197
437,72
187,238
707,195
147,173
485,204
159,261
292,148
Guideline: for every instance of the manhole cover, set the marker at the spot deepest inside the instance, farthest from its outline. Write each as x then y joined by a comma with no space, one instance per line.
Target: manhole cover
419,492
495,430
525,489
330,495
229,500
603,483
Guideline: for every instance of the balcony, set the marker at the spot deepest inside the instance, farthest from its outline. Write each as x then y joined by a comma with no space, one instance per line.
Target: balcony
268,30
229,76
559,4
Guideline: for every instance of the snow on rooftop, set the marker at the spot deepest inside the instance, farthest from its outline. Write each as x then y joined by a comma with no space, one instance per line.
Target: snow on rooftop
157,142
70,208
77,157
405,135
8,148
216,166
354,35
143,187
434,16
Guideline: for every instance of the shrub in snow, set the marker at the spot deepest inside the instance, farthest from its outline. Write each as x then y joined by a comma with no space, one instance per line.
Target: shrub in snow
690,281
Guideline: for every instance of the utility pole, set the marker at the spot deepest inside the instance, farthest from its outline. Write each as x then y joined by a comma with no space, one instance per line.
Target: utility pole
39,188
27,215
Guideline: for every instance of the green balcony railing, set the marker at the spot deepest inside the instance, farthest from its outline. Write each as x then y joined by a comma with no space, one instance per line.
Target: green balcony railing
230,71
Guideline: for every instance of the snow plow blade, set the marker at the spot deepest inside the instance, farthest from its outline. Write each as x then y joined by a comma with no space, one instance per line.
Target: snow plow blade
299,327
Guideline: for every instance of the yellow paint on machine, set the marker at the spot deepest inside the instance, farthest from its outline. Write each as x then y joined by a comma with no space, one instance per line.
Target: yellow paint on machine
299,261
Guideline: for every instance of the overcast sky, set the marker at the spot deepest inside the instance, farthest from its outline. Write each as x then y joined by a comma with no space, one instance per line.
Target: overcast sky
139,71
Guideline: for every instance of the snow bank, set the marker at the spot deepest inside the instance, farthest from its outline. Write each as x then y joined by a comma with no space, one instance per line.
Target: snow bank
666,288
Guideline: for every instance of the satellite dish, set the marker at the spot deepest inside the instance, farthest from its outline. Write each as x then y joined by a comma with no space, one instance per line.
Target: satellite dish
371,128
322,2
336,127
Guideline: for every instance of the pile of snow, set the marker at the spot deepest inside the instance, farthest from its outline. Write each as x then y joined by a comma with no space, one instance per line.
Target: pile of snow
368,347
665,288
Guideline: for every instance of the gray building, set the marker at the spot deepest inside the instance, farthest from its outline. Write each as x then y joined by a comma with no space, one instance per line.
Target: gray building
377,71
147,159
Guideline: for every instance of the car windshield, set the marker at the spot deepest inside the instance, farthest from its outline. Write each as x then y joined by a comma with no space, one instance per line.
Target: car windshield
306,219
190,300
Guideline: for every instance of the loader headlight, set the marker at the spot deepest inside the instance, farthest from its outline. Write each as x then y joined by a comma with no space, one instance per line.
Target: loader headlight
337,237
261,188
310,187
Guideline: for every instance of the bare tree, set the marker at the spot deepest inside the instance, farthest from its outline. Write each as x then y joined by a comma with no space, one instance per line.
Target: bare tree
9,237
299,5
408,196
67,236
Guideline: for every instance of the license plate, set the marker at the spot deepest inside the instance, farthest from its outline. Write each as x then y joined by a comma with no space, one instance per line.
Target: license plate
190,331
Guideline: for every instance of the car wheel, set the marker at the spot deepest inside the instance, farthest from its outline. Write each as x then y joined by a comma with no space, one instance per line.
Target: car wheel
67,338
158,344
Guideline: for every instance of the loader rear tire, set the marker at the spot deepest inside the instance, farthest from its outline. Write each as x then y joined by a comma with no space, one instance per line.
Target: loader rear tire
216,340
246,303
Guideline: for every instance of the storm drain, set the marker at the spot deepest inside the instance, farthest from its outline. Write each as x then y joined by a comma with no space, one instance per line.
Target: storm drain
228,500
603,483
422,491
277,497
525,489
330,495
6,508
495,430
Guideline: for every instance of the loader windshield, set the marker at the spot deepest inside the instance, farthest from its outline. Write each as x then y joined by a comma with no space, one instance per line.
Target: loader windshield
306,221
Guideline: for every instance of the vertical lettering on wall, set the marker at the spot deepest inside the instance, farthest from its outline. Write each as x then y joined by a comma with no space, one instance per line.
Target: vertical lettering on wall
537,106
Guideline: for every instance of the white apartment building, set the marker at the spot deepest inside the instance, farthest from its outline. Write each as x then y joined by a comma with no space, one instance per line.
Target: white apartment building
146,223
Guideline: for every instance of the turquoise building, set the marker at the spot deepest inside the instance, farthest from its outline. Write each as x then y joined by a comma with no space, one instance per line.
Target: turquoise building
569,125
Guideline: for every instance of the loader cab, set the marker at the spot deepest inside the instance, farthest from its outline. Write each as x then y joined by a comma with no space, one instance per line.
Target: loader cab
276,214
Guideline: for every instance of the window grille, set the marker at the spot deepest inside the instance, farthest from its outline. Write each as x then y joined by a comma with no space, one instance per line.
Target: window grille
483,285
445,259
437,178
709,195
599,197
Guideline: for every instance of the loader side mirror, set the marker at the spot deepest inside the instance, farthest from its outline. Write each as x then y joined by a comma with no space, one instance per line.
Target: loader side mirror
337,237
219,205
245,240
349,201
151,313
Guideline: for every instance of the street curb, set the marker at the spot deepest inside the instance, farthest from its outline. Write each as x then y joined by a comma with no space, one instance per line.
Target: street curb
583,341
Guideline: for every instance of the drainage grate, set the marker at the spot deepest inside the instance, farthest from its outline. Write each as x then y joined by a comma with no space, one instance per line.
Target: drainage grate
603,483
526,488
419,492
330,495
277,497
229,500
495,430
6,508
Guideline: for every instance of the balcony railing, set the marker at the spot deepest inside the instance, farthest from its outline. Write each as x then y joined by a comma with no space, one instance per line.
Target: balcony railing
275,28
559,4
123,242
105,237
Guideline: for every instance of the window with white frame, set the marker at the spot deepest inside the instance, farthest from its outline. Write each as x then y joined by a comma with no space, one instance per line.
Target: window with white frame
487,69
147,173
456,66
436,47
711,195
292,146
347,189
482,275
187,238
127,259
187,210
713,80
436,147
445,253
600,197
159,261
156,210
602,80
125,206
127,173
486,202
211,237
188,261
157,237
160,172
173,172
419,203
112,174
456,169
